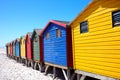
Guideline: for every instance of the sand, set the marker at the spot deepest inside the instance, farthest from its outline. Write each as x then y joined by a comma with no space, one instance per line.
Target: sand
11,70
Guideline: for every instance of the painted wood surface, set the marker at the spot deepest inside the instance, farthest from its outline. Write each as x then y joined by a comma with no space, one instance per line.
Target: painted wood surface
23,47
8,48
13,45
55,49
17,48
98,50
36,45
29,47
11,50
36,48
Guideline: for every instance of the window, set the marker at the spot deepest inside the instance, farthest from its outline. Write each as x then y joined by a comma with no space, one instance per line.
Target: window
58,33
47,36
116,18
84,27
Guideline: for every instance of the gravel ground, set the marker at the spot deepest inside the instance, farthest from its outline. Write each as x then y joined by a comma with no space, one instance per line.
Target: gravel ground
11,70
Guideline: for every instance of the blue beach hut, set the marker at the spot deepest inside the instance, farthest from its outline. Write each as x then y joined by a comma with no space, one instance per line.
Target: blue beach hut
57,45
17,49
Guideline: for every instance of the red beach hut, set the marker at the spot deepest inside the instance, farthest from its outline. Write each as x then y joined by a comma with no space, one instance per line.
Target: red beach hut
29,53
11,49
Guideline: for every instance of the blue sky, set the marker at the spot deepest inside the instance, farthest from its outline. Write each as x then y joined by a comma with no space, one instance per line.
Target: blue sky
17,17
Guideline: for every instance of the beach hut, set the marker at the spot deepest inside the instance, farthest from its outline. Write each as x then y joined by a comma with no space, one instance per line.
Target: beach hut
96,40
6,49
29,53
57,46
11,50
13,47
37,56
23,49
17,50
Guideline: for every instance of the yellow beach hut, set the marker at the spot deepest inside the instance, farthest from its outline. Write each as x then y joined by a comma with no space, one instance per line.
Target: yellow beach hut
22,49
96,40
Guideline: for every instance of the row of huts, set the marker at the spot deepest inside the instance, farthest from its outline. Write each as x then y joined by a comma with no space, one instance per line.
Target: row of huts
89,44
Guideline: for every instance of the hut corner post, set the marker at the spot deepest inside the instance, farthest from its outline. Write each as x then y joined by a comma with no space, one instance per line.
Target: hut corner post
46,68
39,66
66,75
29,63
64,69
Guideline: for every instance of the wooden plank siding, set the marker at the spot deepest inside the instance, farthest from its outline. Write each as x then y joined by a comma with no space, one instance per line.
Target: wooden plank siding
11,50
23,47
8,48
37,56
29,46
13,45
57,50
98,50
17,48
69,47
36,49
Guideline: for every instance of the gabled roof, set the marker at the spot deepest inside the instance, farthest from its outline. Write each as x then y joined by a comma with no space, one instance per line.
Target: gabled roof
29,34
7,44
17,40
10,43
64,22
22,37
84,10
13,41
37,31
58,22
